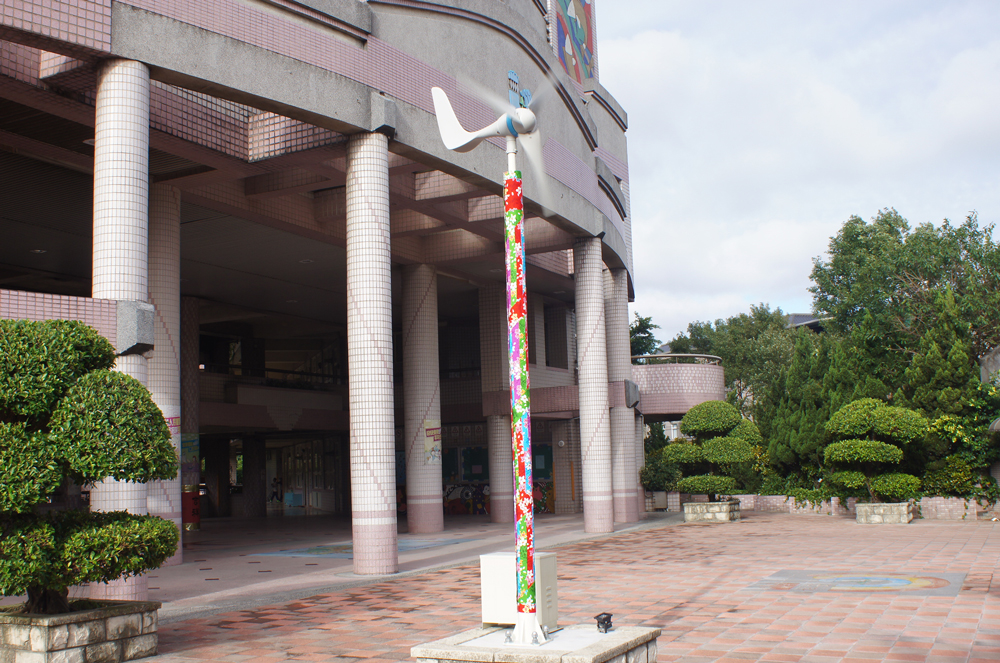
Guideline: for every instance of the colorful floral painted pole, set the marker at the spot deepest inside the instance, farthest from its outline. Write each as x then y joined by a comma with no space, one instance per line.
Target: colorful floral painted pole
520,402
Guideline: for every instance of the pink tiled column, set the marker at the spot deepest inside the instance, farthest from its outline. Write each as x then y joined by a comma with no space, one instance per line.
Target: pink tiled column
640,461
190,402
422,400
495,377
120,248
369,356
592,362
163,498
623,470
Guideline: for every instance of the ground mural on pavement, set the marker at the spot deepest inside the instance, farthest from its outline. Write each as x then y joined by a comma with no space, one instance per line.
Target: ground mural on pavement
938,584
345,550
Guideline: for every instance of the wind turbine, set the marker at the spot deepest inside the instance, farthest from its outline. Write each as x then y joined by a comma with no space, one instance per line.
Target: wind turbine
515,124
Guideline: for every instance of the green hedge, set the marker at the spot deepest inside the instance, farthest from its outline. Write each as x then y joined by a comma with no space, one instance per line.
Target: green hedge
707,484
862,451
710,419
62,549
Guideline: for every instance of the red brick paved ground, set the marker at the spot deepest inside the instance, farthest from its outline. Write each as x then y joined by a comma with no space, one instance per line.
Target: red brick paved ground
690,580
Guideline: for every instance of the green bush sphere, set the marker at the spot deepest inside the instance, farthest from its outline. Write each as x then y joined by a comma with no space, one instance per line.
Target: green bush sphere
682,453
747,430
896,487
710,419
41,360
108,426
727,451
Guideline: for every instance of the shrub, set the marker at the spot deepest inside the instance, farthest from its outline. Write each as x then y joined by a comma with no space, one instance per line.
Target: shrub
954,478
876,434
710,419
64,415
726,446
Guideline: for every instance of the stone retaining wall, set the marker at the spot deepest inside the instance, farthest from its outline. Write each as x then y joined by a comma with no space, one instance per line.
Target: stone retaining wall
885,513
122,631
712,512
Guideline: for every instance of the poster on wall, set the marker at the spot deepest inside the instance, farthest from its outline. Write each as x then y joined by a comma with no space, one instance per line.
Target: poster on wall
574,35
432,442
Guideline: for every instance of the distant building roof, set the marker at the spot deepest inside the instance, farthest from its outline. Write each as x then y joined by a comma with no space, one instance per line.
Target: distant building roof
809,320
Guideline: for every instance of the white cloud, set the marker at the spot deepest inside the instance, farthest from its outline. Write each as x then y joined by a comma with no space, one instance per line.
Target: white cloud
757,129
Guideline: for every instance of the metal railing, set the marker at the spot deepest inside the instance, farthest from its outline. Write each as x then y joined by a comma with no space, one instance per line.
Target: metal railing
678,358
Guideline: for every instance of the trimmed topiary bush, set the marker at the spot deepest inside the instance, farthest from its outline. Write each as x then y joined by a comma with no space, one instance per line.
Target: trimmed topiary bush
710,419
723,446
65,416
876,435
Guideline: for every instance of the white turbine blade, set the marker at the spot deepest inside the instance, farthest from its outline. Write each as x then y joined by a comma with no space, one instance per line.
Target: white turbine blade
500,105
531,145
453,135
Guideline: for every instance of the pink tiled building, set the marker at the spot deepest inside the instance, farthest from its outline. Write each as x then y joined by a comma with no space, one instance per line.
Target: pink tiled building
250,199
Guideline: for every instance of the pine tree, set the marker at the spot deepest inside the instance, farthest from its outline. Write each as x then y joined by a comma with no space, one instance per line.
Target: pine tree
941,379
796,444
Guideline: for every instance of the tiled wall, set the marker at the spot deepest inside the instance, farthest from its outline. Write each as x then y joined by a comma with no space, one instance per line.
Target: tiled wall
84,24
101,314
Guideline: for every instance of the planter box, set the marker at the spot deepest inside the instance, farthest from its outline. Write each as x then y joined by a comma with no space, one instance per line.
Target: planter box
830,507
875,513
120,631
712,512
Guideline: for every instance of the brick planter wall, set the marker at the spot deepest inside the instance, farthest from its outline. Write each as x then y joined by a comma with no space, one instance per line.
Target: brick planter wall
712,512
874,514
948,508
121,631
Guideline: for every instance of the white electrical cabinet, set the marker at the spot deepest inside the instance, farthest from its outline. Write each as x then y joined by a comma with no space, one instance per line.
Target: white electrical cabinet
498,579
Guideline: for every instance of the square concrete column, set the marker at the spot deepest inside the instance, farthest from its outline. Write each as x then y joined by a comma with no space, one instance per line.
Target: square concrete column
120,268
190,413
623,471
592,361
255,488
422,400
163,498
369,356
495,377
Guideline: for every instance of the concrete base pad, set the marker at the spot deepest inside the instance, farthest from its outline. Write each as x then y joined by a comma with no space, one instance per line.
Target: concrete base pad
572,644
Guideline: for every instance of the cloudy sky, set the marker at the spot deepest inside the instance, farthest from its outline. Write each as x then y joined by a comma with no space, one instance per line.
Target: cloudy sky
757,128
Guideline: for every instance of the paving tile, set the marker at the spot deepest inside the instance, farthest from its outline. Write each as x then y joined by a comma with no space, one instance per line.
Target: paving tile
693,582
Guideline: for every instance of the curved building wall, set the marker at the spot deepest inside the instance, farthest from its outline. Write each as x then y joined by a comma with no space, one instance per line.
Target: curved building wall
670,390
